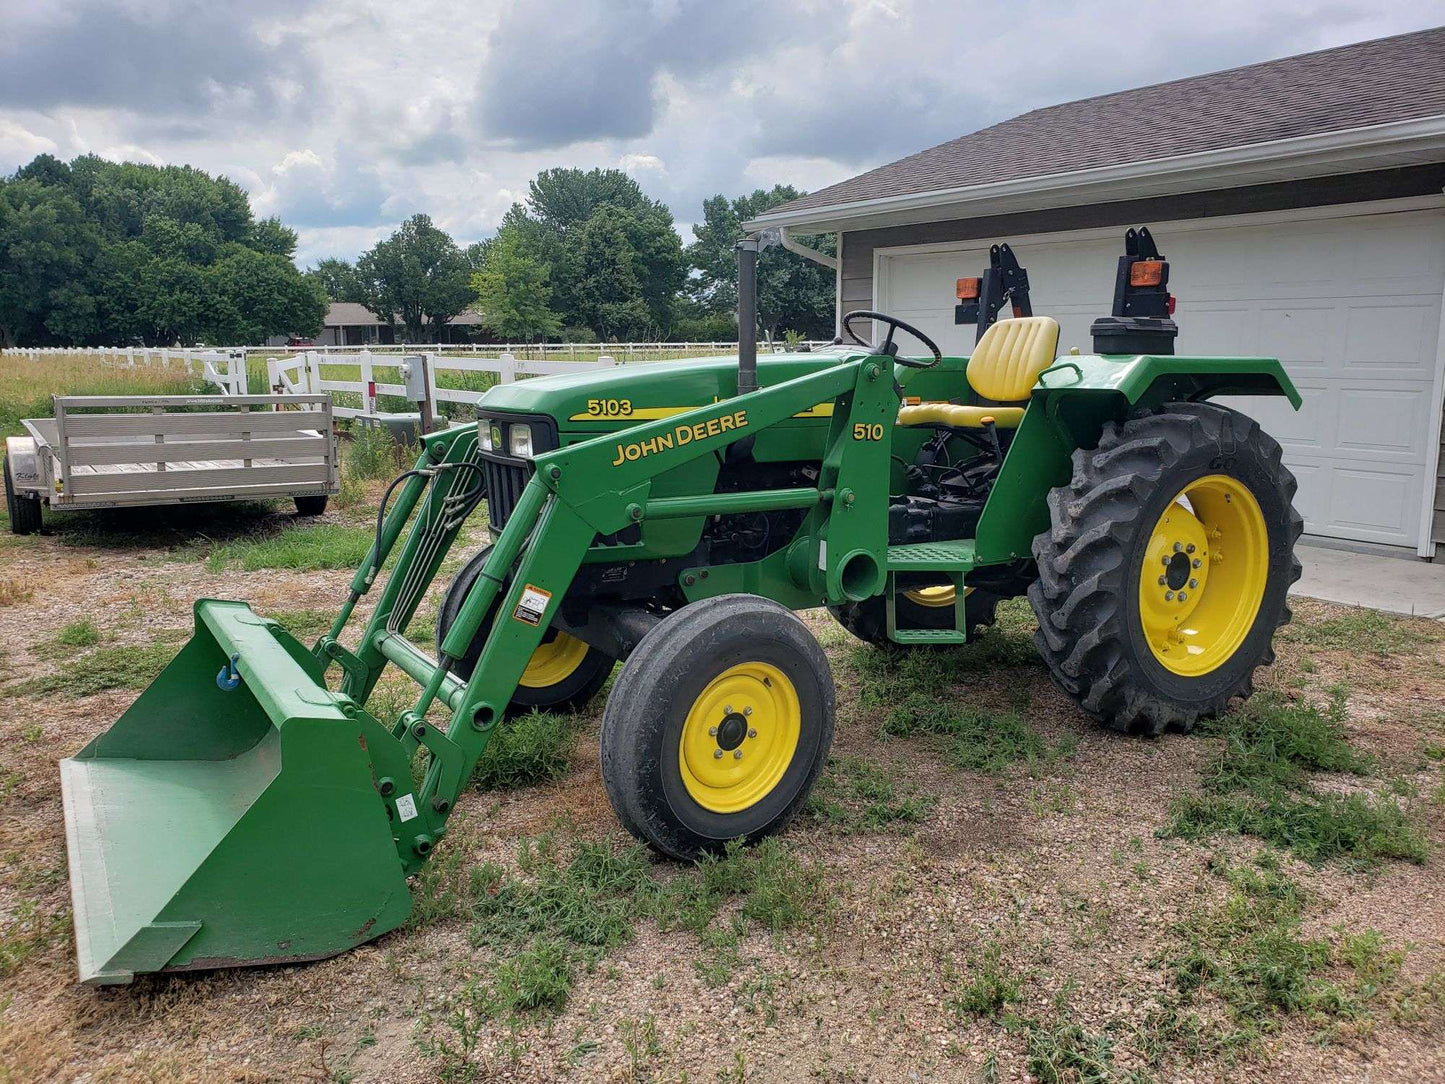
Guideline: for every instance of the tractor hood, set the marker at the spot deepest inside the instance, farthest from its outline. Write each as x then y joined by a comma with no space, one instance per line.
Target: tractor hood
605,398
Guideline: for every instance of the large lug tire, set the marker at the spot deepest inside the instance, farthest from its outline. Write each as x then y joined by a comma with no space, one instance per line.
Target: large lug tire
310,506
922,608
563,674
1154,612
717,726
24,512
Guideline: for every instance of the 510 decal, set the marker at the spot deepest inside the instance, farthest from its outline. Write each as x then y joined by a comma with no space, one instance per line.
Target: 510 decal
868,431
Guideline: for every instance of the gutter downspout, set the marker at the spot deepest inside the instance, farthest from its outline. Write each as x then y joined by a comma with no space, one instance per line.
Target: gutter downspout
803,250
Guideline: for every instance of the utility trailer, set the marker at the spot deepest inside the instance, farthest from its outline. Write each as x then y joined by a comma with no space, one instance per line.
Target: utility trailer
122,451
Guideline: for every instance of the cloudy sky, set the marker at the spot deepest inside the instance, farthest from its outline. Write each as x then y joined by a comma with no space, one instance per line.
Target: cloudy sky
345,116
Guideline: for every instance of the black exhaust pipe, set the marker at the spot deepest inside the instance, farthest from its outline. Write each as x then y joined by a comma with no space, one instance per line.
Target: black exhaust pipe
747,250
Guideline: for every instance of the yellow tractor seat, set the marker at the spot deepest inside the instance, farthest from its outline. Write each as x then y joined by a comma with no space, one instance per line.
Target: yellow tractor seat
1004,367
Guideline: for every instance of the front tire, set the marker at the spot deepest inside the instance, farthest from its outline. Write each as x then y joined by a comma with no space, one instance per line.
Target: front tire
1165,573
717,726
563,674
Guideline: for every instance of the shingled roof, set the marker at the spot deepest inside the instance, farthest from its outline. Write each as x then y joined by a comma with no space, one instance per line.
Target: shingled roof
1373,82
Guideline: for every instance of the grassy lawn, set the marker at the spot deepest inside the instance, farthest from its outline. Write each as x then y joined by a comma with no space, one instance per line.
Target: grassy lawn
984,885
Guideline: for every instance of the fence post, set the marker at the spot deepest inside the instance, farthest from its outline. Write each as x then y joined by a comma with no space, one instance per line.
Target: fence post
508,371
368,382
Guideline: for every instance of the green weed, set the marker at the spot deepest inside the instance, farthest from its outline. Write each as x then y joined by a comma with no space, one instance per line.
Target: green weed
120,666
856,795
989,988
304,549
1360,631
79,634
1259,786
525,750
372,453
1067,1054
1248,951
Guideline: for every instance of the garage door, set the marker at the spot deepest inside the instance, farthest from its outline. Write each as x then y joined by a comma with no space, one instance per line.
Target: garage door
1351,305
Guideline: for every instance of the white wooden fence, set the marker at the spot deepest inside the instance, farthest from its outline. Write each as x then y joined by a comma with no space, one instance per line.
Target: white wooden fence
225,368
305,374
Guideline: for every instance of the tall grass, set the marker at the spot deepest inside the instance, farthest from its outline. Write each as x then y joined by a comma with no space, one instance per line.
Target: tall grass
26,386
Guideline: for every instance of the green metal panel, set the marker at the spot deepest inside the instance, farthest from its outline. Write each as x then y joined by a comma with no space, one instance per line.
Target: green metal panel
211,827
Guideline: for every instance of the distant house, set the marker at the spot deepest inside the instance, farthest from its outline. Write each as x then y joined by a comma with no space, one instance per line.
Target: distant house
350,324
1300,204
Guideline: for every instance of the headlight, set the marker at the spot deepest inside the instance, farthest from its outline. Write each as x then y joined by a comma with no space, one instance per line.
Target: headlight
484,435
519,441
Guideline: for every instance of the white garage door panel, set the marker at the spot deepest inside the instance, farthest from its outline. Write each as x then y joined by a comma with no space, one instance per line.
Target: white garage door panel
1350,305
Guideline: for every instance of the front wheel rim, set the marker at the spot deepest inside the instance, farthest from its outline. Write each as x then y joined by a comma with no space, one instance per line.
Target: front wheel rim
739,737
554,661
1204,574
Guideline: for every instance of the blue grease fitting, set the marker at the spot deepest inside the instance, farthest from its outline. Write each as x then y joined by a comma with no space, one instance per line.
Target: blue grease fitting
229,677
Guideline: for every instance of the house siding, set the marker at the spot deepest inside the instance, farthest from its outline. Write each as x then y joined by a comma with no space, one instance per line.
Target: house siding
856,273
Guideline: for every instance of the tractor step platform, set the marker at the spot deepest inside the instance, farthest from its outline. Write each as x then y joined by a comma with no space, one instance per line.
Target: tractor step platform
929,636
932,557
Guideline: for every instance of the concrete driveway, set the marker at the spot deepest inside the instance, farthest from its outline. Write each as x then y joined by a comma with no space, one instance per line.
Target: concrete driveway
1400,585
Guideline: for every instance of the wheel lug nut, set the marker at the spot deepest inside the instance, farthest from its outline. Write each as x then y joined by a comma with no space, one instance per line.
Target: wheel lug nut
747,711
1163,580
1193,584
1182,596
737,754
728,710
1189,548
717,754
1197,562
1168,596
712,732
1177,547
752,732
1164,560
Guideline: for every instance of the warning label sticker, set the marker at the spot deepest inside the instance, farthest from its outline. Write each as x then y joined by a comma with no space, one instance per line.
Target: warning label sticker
532,605
406,808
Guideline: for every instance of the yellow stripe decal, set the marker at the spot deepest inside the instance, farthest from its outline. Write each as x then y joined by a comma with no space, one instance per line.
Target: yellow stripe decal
648,414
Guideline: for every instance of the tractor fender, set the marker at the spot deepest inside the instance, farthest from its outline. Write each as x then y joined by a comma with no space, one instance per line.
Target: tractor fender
24,463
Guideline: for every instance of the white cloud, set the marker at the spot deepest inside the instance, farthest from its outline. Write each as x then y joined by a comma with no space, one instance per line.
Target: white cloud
19,144
346,116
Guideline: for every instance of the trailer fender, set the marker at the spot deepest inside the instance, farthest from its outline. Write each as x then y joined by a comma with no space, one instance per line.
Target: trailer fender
24,463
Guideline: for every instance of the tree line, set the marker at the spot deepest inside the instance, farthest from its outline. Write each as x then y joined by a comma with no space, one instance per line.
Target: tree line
97,252
94,252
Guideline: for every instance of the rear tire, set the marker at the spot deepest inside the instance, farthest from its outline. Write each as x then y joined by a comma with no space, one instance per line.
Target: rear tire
24,512
564,673
717,726
926,608
1142,620
310,506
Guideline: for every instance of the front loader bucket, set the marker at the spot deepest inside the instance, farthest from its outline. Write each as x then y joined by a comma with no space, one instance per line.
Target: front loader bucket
214,828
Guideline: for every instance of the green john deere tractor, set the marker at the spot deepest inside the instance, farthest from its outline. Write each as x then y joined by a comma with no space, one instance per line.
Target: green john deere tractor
249,809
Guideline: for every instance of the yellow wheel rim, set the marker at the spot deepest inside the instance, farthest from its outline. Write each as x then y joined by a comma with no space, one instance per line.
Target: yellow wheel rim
554,661
1204,575
739,737
942,595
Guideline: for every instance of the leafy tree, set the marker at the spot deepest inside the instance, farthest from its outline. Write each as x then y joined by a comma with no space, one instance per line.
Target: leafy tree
614,259
93,251
252,291
418,274
793,292
513,293
338,279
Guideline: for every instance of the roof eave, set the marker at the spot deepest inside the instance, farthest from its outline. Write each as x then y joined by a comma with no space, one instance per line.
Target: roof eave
1356,149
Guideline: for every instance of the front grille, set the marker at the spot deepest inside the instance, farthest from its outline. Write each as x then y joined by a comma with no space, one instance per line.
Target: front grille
505,482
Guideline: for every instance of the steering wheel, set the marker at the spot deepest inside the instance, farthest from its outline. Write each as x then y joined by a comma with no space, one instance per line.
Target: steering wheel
889,347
